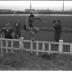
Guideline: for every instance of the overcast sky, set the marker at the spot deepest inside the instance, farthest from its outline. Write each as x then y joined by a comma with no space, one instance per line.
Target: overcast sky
21,5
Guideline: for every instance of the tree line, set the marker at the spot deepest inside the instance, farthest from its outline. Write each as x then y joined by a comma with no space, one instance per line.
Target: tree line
38,12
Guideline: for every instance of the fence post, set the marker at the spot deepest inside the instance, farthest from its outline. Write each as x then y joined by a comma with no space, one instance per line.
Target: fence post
1,47
60,46
6,46
71,48
37,47
49,48
31,46
43,47
21,42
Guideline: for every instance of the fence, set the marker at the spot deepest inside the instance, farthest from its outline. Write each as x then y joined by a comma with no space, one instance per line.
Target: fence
35,46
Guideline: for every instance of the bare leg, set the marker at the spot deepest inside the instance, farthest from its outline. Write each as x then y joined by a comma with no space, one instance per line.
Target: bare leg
35,29
32,34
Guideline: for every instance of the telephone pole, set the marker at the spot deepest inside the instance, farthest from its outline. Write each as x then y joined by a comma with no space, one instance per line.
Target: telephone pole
63,5
30,8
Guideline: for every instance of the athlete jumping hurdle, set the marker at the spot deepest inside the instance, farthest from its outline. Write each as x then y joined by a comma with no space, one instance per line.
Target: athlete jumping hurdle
30,27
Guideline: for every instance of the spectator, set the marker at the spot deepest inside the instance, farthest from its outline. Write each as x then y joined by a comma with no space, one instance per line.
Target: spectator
18,28
57,30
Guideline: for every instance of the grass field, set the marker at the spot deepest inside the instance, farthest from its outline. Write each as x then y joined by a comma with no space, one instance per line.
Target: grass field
45,32
22,60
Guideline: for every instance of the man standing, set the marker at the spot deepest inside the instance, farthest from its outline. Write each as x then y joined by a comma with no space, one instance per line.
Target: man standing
57,30
18,28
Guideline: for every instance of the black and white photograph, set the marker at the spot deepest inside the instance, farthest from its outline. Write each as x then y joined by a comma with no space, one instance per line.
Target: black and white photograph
36,35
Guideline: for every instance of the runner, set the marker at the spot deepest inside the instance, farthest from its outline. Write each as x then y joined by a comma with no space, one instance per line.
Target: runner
30,27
